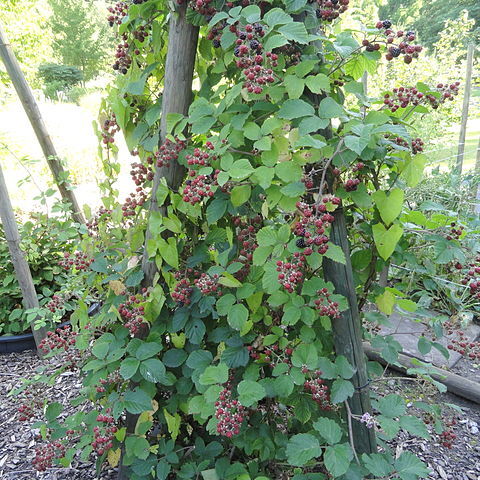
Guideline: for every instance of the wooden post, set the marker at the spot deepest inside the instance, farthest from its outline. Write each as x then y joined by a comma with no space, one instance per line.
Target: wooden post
177,96
347,335
31,109
466,102
477,172
22,270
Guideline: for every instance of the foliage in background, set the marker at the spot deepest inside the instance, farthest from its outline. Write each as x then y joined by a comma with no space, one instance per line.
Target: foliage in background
80,36
59,78
429,17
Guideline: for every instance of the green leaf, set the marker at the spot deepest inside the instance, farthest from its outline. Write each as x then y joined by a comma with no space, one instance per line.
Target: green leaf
335,253
356,144
294,86
318,83
250,392
261,254
295,31
293,190
252,131
163,469
413,172
424,345
276,16
239,195
293,6
377,464
391,406
291,315
53,411
100,349
389,206
329,108
237,316
240,169
174,357
292,109
214,374
409,466
275,41
385,302
147,350
337,459
414,426
302,448
341,390
305,354
153,370
267,236
224,303
203,125
216,210
329,430
289,171
283,386
173,423
129,367
137,401
344,369
386,240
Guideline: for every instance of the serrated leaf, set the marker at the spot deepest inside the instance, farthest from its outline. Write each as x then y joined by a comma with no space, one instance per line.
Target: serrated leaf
329,430
302,448
341,390
337,459
250,392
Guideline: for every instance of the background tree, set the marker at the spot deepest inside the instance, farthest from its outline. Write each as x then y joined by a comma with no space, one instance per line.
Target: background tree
428,17
80,37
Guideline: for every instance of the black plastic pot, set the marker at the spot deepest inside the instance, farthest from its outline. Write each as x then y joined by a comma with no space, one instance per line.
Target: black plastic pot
21,343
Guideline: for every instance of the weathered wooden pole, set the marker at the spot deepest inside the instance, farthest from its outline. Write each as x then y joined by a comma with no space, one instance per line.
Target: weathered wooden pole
177,96
477,172
466,103
22,270
347,334
31,109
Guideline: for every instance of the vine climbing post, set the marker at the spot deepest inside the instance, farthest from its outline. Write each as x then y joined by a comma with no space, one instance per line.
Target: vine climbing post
347,334
31,109
22,269
177,96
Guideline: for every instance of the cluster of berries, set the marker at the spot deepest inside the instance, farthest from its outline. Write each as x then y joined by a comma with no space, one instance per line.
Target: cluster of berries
272,354
408,50
112,379
458,341
201,158
404,96
168,152
29,409
416,147
132,312
291,53
314,221
141,173
117,13
247,242
352,183
134,200
62,339
45,454
456,233
320,392
208,284
103,435
140,34
199,187
325,305
290,274
101,216
203,7
109,129
329,10
123,60
79,261
447,437
55,303
230,413
251,58
183,291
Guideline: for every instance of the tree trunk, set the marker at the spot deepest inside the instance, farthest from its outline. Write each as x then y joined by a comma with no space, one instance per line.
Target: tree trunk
22,270
177,96
33,113
347,333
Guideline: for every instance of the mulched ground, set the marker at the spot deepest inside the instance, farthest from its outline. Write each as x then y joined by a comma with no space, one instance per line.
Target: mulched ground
17,440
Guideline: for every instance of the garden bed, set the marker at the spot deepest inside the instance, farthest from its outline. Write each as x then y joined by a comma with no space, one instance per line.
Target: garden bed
17,444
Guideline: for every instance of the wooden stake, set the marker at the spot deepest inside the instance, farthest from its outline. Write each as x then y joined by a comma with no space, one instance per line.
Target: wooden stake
22,270
177,96
31,109
347,335
477,172
466,103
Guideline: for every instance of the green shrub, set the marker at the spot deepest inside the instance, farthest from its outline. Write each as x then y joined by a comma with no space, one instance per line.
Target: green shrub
59,78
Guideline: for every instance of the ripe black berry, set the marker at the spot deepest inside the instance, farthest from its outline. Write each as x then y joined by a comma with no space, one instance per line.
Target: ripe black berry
216,43
387,24
300,243
254,45
395,52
